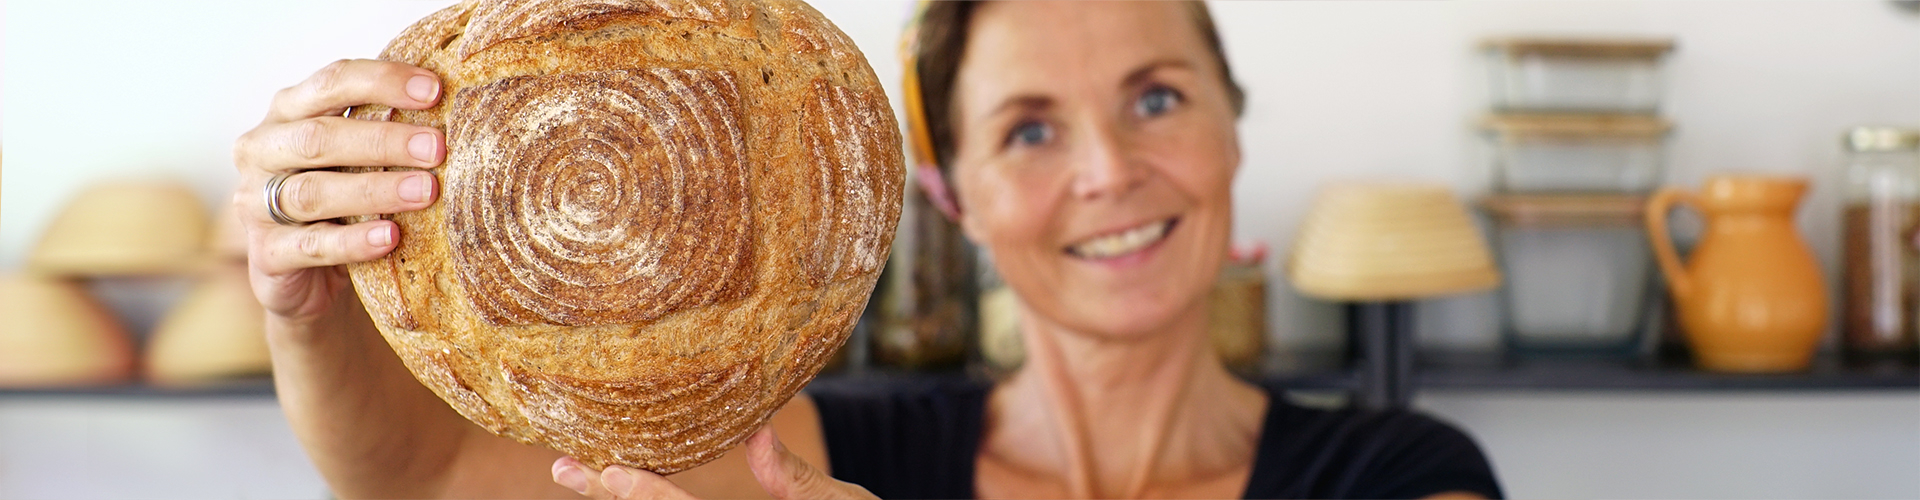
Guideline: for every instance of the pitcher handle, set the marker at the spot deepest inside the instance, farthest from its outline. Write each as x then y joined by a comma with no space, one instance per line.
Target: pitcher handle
1657,209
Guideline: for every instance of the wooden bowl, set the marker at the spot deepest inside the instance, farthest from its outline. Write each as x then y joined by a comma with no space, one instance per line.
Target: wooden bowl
125,228
52,333
1379,241
217,332
226,238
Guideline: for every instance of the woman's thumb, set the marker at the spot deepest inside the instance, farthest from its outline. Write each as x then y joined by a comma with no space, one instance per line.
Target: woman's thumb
786,476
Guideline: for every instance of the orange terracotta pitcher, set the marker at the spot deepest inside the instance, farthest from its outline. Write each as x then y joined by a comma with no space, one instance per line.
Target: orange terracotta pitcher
1750,298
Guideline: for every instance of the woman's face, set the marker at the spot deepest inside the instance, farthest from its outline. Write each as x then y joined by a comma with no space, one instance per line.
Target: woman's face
1094,157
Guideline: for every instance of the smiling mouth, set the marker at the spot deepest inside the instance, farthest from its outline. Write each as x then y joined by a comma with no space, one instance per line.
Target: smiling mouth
1123,242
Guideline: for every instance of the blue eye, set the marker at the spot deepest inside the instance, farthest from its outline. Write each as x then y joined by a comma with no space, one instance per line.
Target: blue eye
1156,101
1030,134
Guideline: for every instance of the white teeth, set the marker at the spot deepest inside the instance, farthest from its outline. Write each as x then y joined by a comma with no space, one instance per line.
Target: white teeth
1122,243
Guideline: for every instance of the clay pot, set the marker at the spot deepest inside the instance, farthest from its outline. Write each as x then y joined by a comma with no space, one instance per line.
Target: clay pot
1750,298
1237,317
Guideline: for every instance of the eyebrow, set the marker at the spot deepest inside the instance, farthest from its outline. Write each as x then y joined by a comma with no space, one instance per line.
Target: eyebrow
1140,74
1027,101
1134,78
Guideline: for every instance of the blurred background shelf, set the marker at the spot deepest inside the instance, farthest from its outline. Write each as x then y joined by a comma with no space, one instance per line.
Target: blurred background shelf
1447,372
1664,374
260,387
1327,373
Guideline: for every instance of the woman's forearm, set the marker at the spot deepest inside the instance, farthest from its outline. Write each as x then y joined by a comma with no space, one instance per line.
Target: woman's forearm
370,428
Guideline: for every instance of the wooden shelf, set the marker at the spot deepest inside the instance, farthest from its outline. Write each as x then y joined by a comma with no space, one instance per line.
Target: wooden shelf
1325,373
257,387
1579,374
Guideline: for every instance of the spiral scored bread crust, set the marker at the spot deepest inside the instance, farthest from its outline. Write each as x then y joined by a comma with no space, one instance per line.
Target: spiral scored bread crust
658,219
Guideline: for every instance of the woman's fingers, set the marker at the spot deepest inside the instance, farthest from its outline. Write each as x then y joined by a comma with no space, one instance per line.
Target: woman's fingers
284,249
569,473
319,195
615,482
293,266
634,484
334,141
786,476
352,82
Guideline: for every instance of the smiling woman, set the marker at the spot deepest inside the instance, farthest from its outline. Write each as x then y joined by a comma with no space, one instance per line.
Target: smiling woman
1091,147
1096,168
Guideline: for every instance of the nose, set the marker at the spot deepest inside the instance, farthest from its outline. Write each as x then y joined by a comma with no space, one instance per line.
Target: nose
1105,167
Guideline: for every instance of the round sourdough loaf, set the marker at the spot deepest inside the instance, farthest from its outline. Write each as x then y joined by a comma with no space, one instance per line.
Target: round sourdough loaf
657,220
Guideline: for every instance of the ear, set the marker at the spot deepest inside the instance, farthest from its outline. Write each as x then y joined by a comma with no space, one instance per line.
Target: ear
933,183
942,196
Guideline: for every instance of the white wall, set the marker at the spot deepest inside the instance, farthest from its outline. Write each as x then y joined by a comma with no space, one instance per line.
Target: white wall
1338,90
103,448
1387,89
1693,445
101,90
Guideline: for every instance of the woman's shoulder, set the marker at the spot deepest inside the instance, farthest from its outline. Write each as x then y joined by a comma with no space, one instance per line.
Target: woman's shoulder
902,437
1354,453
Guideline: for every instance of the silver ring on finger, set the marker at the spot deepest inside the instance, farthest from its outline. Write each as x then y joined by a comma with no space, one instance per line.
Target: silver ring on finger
272,195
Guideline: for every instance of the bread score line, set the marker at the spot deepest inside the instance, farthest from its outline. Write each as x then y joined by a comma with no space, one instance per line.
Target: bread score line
659,219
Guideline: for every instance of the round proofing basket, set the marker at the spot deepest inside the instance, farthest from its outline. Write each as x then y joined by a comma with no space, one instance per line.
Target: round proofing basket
52,333
125,228
217,332
226,238
1379,242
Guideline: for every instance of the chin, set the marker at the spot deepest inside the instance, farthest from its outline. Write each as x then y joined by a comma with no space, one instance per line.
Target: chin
1139,308
1129,320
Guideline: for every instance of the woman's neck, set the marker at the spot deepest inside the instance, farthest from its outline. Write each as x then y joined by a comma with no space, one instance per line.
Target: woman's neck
1125,418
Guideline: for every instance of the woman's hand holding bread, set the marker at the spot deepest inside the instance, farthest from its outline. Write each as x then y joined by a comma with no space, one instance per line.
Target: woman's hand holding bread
295,269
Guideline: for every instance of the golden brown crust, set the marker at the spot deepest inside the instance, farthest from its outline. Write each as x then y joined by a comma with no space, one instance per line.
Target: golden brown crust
849,211
498,21
642,250
551,224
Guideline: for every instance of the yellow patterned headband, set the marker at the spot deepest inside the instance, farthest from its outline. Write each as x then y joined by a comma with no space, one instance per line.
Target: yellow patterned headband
921,139
919,136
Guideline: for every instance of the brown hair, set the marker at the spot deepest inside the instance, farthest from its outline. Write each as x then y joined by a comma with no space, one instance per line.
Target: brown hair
941,42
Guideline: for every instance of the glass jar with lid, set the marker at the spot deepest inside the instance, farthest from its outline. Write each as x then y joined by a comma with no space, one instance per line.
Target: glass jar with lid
1578,270
1578,153
1576,75
1882,264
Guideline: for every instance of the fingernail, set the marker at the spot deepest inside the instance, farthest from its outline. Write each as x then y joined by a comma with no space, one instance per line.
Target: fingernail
617,480
416,188
380,236
421,88
421,146
572,478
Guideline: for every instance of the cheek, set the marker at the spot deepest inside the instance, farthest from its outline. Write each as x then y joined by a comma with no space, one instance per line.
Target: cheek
1222,163
1203,164
997,214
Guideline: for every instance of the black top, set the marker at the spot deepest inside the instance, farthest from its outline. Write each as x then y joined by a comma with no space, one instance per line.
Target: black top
918,439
